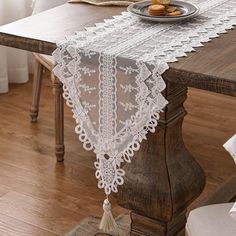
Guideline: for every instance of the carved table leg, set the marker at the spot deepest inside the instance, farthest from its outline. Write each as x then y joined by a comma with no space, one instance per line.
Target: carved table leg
163,178
37,82
59,118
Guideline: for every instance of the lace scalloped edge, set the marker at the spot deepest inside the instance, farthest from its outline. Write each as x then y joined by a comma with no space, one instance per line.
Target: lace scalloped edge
152,122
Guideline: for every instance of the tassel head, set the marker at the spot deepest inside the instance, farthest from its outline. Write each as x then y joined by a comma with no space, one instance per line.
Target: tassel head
106,206
108,224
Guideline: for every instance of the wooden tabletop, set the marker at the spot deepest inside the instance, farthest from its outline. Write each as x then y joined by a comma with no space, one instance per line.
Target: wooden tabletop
212,67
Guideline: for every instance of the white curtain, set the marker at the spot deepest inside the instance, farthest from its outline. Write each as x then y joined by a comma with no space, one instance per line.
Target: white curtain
43,5
14,62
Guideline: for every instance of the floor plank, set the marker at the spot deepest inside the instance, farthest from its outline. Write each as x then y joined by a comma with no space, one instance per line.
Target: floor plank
41,197
43,214
11,227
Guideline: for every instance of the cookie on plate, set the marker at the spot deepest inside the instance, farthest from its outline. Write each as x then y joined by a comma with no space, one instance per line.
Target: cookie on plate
174,13
156,10
171,9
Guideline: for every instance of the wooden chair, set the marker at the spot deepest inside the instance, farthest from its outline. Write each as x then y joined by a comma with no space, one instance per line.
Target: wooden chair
46,62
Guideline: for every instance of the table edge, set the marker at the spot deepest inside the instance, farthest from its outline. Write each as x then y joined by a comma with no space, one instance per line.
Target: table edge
187,78
201,81
27,44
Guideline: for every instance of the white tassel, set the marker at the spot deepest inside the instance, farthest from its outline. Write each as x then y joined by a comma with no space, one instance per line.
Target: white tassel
108,224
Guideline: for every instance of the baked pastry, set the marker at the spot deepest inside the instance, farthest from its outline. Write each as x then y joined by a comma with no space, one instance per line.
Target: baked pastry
154,2
156,10
163,2
170,9
174,13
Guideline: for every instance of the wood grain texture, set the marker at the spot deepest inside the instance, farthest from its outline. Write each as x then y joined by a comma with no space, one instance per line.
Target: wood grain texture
90,226
34,190
11,227
225,193
35,34
212,67
37,82
180,175
163,178
59,118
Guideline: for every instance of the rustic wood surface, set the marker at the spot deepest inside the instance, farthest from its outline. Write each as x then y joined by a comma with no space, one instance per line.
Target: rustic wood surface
211,68
225,193
147,215
59,118
163,178
90,226
37,84
39,197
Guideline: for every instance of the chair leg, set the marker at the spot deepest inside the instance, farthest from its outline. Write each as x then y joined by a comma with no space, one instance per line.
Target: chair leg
37,82
59,118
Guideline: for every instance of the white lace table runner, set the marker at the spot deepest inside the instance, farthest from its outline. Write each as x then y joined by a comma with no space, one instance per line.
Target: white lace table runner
112,77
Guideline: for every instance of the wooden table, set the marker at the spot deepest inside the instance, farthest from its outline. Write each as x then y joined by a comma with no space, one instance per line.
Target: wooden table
163,178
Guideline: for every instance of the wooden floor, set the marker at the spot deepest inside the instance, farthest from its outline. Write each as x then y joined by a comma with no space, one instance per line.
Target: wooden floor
39,197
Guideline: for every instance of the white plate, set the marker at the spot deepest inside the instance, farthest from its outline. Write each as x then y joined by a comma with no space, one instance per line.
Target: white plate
140,9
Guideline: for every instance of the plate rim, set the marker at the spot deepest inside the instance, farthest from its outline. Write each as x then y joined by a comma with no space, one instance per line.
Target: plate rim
166,18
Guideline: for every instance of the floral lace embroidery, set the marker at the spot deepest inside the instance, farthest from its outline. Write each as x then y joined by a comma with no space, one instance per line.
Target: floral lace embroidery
112,77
